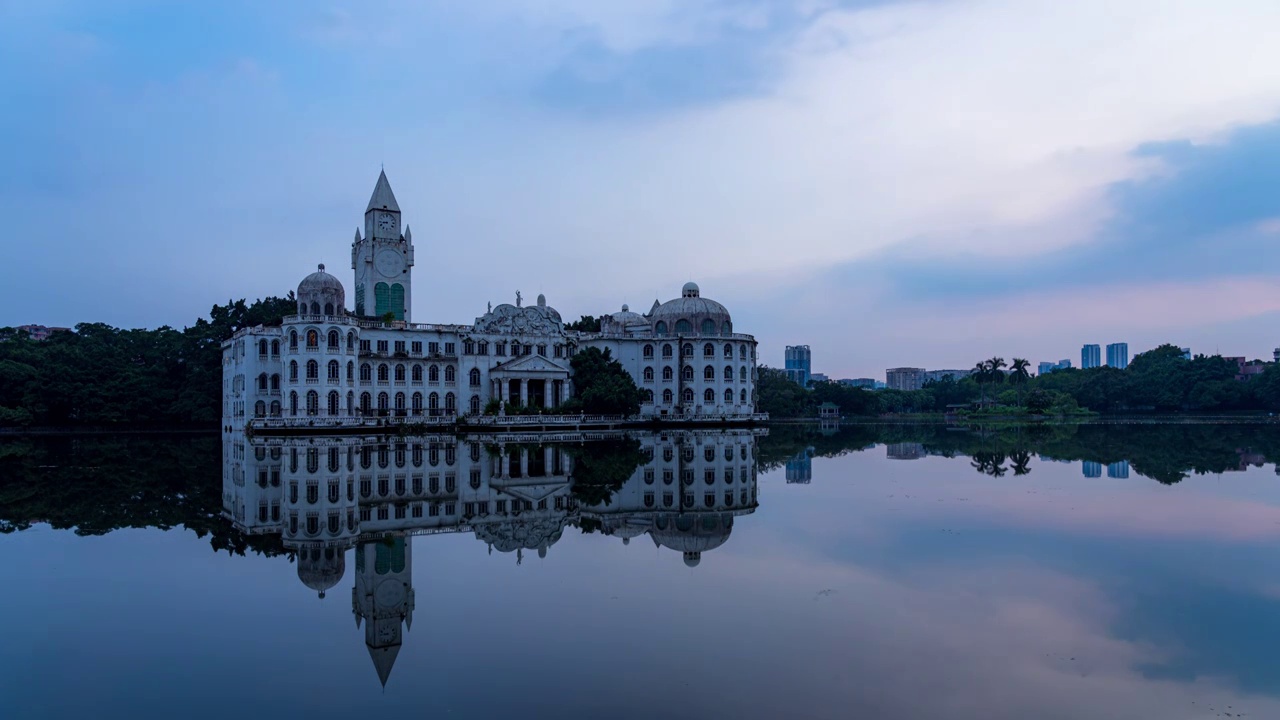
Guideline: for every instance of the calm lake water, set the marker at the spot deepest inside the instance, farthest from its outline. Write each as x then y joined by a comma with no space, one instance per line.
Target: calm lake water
873,571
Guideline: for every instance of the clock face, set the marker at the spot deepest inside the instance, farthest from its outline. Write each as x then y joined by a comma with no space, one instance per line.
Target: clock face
389,263
386,221
390,593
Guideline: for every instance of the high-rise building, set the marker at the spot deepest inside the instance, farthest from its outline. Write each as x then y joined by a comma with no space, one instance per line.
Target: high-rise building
1091,468
1186,353
1048,367
938,375
1091,356
868,383
1118,470
904,378
797,364
1118,355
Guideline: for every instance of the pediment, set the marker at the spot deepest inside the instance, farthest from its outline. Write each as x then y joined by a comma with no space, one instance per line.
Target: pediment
532,363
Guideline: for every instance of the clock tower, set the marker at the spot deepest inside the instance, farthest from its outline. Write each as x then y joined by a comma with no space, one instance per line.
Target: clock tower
383,258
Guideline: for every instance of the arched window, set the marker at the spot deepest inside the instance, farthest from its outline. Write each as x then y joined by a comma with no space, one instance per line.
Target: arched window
313,370
384,373
648,351
381,299
334,400
742,395
683,327
728,328
399,403
708,350
708,327
728,373
397,300
399,372
688,395
475,404
667,350
686,350
708,373
384,403
450,375
417,403
351,371
648,374
450,404
259,409
742,352
709,396
315,308
293,339
293,370
667,373
474,377
660,329
433,374
667,396
335,339
351,404
742,373
728,351
687,372
275,381
328,308
351,339
275,408
313,338
728,397
366,372
416,374
293,403
262,381
313,402
433,403
262,346
335,370
275,347
366,403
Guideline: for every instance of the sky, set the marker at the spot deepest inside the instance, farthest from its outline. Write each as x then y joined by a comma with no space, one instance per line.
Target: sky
891,183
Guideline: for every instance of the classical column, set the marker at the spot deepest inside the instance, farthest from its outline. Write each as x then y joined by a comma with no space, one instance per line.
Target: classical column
502,461
524,393
524,462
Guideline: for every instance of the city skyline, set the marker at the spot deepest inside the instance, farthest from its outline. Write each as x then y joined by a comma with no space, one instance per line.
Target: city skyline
605,152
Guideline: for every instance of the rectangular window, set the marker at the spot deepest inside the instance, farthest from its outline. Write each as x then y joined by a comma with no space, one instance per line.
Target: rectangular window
382,346
500,349
434,510
449,348
433,347
400,346
416,347
365,513
501,506
417,510
468,508
383,513
417,484
400,512
364,346
542,504
483,507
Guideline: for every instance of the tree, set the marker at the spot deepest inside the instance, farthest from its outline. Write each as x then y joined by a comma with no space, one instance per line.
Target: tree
1019,375
995,372
587,323
603,386
980,375
780,397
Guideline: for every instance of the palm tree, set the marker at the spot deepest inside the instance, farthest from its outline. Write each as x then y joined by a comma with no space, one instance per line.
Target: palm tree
979,375
1019,375
995,373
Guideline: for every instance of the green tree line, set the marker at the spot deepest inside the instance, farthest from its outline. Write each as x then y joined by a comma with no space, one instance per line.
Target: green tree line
1160,380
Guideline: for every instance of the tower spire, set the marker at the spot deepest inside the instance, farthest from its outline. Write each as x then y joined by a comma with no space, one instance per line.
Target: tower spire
383,198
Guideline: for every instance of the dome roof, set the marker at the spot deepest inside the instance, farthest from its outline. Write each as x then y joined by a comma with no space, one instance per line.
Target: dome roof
321,568
694,308
694,533
319,280
690,289
626,317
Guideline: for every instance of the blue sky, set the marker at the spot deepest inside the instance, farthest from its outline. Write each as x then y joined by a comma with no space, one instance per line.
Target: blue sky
892,183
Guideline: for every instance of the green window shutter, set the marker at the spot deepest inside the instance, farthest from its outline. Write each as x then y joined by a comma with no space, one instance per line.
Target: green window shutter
397,300
381,299
360,299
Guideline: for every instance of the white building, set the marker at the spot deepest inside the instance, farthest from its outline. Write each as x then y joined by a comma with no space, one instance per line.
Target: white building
327,363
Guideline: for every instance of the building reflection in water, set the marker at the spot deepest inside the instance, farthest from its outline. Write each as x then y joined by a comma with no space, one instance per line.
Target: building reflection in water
516,493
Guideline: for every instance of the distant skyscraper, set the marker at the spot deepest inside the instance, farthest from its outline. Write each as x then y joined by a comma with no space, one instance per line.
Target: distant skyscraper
1091,356
1118,469
800,468
868,383
1091,469
1186,353
798,363
938,375
818,377
1118,355
904,378
1048,367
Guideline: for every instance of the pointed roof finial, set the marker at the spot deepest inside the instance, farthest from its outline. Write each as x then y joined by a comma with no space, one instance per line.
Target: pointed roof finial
383,198
357,236
408,234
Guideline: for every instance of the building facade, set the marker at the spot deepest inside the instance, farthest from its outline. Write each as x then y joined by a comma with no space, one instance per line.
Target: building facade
939,375
1118,355
326,364
904,378
798,364
1091,356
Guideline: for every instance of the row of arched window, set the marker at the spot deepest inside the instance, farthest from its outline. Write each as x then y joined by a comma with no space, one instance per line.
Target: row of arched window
708,396
684,327
687,373
383,404
315,308
311,337
686,350
263,345
415,372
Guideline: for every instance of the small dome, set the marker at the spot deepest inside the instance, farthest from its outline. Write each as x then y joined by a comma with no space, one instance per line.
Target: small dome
321,568
321,294
542,300
625,308
691,314
692,559
694,533
690,289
